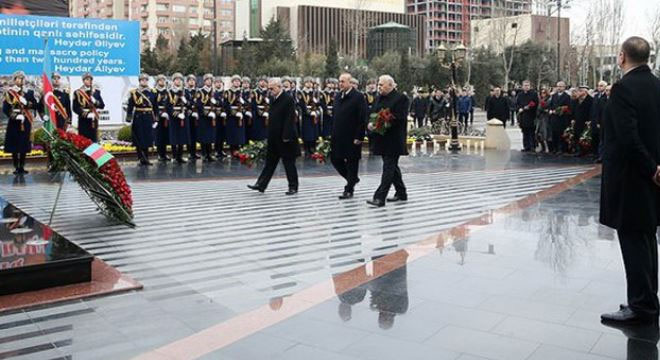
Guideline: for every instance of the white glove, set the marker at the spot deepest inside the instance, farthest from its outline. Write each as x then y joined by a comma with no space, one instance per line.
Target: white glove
370,126
248,113
165,115
195,115
154,125
267,100
239,115
181,116
213,101
223,114
94,101
242,101
90,115
46,117
20,117
212,115
266,114
184,100
22,100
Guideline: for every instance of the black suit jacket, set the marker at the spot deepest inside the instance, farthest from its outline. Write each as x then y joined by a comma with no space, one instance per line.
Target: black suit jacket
527,118
282,126
498,108
393,143
630,201
349,125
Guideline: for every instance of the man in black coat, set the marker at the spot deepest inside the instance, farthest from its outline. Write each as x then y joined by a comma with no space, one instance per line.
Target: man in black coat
527,102
392,144
630,191
498,106
582,115
560,118
282,139
350,109
420,107
597,112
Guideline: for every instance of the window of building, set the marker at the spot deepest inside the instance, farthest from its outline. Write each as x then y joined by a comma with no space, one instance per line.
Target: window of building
162,19
162,7
194,21
226,24
226,12
207,22
255,19
179,8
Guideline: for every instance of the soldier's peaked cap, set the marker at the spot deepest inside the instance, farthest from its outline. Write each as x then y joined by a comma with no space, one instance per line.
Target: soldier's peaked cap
177,75
56,75
87,75
245,79
143,76
208,76
236,77
191,76
18,74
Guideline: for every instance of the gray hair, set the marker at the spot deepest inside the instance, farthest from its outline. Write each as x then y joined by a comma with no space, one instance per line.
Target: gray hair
276,81
602,82
388,79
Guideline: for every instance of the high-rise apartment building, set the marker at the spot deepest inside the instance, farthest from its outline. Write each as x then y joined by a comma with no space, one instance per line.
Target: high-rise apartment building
448,21
171,18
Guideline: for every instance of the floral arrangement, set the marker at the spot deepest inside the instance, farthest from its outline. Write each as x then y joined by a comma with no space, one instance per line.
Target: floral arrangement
569,136
105,185
380,122
563,110
586,139
253,151
421,133
322,151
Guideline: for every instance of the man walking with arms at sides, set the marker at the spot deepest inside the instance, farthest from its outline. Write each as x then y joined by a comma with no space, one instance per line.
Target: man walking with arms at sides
391,144
630,191
282,139
347,134
527,101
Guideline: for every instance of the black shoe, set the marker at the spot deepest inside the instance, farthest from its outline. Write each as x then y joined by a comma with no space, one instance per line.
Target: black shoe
163,159
376,202
626,316
23,171
257,188
291,191
346,195
16,172
396,198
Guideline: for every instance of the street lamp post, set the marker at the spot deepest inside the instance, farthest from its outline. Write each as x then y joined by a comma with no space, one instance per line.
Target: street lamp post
457,55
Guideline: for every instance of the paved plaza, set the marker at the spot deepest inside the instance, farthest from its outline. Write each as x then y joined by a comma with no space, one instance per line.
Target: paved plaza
496,255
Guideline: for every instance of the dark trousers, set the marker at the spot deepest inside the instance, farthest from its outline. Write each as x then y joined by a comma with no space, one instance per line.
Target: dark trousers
640,259
348,169
529,142
464,118
162,151
272,160
558,144
471,117
391,176
420,121
512,115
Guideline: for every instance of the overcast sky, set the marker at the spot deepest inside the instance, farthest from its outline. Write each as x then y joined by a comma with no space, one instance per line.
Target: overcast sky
636,13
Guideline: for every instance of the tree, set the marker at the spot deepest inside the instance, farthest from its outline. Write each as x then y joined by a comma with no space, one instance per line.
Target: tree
163,54
332,60
386,64
148,61
187,60
275,43
654,31
201,44
313,65
405,75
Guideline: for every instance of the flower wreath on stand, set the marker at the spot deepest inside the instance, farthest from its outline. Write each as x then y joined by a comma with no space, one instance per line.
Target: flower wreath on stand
96,171
322,151
586,139
569,136
253,151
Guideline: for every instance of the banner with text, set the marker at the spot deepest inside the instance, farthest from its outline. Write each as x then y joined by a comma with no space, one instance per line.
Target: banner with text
101,47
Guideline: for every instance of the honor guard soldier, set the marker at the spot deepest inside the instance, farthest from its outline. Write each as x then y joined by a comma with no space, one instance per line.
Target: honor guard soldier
310,110
327,104
221,115
62,102
206,106
191,94
247,95
141,113
235,107
260,107
87,102
162,130
18,104
180,106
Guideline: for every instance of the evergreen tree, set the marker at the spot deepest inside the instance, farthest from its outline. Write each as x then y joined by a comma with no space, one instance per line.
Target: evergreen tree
148,61
164,58
405,75
332,60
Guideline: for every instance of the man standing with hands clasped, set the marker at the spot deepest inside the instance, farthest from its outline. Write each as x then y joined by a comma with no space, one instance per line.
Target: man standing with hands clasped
392,144
630,191
347,133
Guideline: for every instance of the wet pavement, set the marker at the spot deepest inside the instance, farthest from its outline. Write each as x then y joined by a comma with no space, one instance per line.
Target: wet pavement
497,255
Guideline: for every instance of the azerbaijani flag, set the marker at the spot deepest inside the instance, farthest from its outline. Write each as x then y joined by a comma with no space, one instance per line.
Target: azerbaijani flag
98,154
49,97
